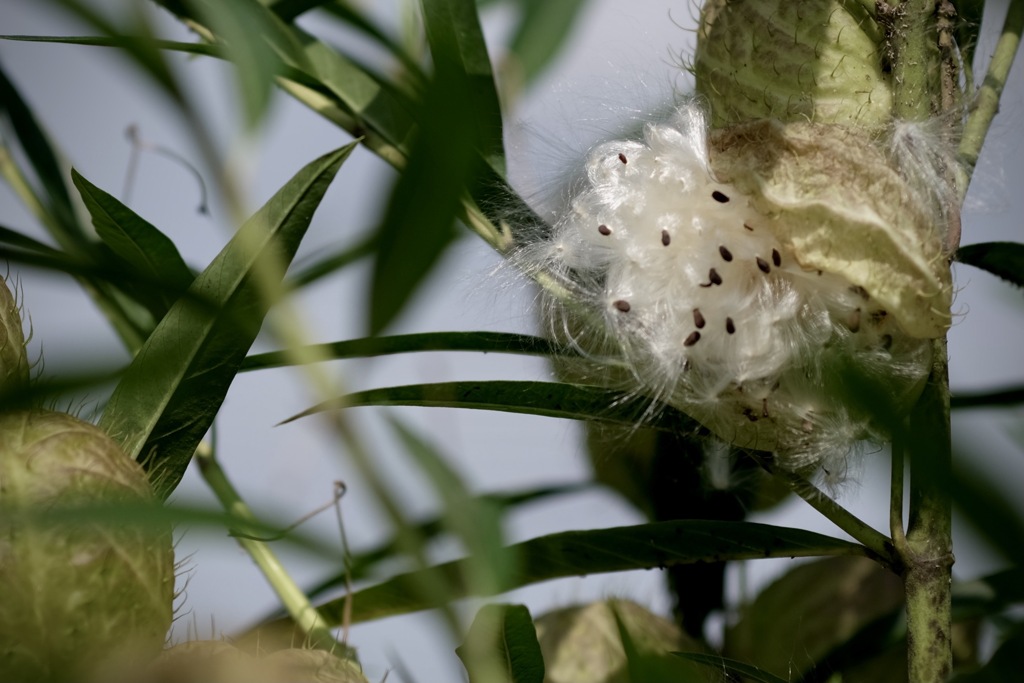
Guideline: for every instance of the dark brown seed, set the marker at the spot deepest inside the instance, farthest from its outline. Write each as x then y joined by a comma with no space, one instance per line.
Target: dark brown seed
622,157
692,339
622,305
720,197
604,230
666,239
763,265
747,226
698,318
726,254
730,326
715,278
749,414
764,407
776,258
853,322
878,317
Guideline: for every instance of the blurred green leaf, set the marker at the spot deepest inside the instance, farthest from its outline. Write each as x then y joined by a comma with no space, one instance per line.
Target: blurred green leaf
1004,259
576,553
645,664
485,342
474,521
1006,664
173,389
332,263
419,221
812,610
549,399
136,38
242,26
56,198
501,647
986,508
460,52
988,595
987,399
364,562
749,672
541,33
16,239
141,247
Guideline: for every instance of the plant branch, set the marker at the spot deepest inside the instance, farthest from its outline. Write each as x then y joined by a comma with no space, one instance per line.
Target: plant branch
897,478
858,529
928,552
986,102
292,598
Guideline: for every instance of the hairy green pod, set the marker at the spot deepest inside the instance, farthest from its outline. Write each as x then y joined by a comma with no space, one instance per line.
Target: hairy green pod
13,360
80,600
819,60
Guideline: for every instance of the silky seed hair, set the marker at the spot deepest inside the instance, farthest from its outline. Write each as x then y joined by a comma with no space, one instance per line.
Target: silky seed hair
694,296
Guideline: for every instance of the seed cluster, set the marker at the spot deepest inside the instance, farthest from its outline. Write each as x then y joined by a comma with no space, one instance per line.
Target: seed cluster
711,312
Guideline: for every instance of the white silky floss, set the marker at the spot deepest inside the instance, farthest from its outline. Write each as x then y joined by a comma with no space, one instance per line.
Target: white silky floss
709,311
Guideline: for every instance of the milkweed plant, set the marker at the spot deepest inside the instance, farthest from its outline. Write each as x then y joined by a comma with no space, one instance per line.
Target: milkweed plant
742,300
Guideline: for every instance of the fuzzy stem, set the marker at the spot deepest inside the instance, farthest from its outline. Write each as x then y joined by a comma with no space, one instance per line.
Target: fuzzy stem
914,51
860,530
291,596
927,554
986,103
897,479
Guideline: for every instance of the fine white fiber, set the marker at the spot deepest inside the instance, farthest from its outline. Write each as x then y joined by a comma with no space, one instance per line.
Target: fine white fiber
681,290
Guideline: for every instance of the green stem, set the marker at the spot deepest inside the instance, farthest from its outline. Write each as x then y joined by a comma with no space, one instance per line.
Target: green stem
291,596
986,103
860,530
927,552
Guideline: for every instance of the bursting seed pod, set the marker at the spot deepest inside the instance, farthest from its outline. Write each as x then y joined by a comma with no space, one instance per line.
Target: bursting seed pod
776,282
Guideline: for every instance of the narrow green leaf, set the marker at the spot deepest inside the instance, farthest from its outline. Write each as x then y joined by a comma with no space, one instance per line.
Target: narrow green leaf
550,399
18,115
365,562
21,241
173,389
484,342
749,673
140,245
458,47
541,33
987,399
1005,259
576,553
501,647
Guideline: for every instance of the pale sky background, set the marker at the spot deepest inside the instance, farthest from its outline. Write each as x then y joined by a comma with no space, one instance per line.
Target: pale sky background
622,61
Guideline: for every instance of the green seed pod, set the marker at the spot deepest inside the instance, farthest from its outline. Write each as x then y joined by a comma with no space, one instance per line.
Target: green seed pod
832,198
583,644
82,601
13,360
819,60
216,661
